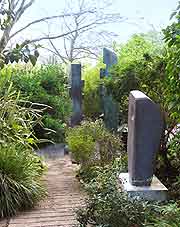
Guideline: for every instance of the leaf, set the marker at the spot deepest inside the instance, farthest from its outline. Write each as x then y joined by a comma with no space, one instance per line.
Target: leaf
1,64
31,140
16,58
17,46
33,59
27,50
11,58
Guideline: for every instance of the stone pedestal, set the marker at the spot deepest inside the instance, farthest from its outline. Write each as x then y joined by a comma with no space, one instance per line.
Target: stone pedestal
155,192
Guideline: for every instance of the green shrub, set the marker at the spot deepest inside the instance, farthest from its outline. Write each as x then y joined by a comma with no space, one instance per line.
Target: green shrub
166,216
46,85
58,126
91,143
20,179
141,66
109,207
81,141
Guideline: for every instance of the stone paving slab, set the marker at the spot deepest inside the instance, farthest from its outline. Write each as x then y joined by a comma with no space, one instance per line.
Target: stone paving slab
64,196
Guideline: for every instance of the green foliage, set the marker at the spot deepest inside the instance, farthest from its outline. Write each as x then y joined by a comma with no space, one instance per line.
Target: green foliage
20,169
21,52
20,179
58,128
17,121
46,86
81,142
91,99
109,207
91,143
171,177
6,18
140,66
172,38
169,216
138,48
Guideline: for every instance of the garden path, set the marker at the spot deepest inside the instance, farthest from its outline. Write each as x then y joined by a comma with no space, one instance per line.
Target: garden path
64,195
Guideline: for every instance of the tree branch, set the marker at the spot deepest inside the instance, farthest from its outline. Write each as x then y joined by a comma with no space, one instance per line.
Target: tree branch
57,36
42,20
57,52
23,8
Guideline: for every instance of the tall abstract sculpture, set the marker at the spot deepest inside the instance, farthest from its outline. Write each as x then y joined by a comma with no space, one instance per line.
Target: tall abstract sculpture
109,107
76,93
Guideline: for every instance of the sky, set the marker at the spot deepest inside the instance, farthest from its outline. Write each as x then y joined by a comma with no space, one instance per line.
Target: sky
143,16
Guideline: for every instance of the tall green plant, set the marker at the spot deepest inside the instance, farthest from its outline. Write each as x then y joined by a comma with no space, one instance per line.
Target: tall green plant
21,185
17,119
20,169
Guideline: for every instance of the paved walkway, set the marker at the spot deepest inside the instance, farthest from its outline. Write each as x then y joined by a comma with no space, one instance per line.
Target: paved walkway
64,195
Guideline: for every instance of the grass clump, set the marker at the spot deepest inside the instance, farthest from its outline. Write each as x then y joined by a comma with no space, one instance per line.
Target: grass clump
21,185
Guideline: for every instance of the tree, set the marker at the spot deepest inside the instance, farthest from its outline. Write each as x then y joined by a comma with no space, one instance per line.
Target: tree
11,11
85,42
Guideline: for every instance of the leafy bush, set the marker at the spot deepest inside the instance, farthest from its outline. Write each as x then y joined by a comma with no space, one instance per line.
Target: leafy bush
109,207
46,85
166,215
20,179
92,143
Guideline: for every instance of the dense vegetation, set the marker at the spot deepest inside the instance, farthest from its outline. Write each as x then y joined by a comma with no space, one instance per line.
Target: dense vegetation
43,85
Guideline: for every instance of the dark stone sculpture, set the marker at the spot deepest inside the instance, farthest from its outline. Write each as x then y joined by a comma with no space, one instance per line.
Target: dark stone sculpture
109,58
76,94
144,133
108,106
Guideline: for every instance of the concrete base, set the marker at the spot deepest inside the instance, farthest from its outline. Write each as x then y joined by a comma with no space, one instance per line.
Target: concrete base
156,192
